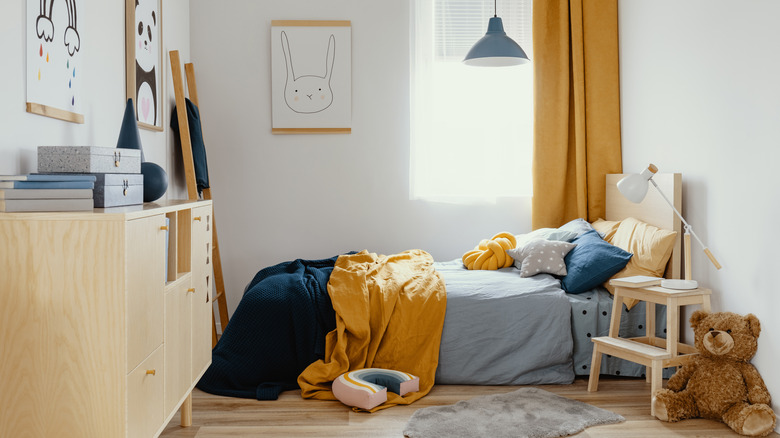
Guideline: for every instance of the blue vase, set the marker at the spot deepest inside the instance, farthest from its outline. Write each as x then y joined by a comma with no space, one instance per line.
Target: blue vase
155,178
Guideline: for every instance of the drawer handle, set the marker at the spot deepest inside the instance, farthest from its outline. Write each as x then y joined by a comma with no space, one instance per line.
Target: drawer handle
196,218
164,227
152,372
192,289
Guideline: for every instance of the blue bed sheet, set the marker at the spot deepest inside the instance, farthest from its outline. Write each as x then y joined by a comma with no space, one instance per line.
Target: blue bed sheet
502,329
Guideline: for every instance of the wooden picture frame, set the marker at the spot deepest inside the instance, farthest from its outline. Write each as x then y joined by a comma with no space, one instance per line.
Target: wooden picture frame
311,81
55,61
144,61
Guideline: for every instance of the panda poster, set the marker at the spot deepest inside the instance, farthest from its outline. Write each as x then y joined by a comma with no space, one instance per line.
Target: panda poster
55,58
143,51
311,76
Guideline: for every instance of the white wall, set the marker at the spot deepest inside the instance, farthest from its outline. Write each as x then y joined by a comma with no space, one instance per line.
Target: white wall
700,95
102,30
283,197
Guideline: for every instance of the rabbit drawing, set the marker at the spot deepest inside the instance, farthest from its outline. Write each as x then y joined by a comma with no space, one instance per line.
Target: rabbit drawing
308,94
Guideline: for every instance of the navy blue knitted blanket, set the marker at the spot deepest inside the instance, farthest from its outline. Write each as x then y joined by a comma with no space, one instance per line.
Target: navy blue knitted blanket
277,330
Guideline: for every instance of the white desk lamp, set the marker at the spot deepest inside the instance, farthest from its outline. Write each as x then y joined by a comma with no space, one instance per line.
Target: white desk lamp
634,188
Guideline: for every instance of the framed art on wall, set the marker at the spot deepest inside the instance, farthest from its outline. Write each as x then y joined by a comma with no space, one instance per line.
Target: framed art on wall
143,60
55,59
311,76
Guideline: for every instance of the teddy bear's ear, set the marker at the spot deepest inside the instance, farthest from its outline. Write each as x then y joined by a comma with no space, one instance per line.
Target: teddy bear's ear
697,316
753,324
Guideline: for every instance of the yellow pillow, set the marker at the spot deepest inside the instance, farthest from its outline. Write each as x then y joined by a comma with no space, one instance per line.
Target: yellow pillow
650,245
607,229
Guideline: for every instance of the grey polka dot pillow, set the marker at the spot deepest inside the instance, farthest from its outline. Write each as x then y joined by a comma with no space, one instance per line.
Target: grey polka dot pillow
541,256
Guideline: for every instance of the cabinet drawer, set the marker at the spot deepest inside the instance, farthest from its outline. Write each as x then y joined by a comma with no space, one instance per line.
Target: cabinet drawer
145,287
145,391
178,344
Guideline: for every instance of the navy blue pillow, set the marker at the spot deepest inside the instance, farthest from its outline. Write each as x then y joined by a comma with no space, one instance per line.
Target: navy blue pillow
592,262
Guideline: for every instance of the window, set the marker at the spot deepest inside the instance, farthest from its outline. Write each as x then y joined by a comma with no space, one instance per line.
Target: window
471,127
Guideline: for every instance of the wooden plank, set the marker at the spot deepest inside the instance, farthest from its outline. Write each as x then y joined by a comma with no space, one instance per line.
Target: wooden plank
617,309
192,87
219,279
626,345
659,295
130,50
62,327
292,415
661,343
184,127
595,369
311,130
213,331
321,23
672,325
55,113
652,210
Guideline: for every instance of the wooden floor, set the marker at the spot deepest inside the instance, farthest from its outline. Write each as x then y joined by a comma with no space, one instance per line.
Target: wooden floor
292,416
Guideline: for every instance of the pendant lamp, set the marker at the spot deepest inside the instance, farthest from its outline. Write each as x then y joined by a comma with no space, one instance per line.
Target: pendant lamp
495,49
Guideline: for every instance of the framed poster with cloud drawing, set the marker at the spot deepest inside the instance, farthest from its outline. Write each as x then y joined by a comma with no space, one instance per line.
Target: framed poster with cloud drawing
55,58
143,61
311,76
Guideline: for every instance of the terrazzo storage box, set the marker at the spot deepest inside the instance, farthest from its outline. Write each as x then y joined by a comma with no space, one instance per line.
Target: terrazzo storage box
117,189
88,159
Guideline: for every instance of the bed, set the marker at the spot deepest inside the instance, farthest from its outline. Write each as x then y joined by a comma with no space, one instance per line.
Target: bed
498,328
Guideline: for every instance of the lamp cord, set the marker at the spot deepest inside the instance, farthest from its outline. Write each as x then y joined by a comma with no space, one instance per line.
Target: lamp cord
495,8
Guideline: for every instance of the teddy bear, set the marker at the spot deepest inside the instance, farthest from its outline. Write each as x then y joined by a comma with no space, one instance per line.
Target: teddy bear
720,382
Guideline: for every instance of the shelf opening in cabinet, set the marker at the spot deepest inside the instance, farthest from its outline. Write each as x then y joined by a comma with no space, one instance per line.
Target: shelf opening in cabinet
184,238
170,246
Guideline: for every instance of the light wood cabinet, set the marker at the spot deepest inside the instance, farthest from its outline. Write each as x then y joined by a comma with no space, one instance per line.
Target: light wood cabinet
104,322
202,279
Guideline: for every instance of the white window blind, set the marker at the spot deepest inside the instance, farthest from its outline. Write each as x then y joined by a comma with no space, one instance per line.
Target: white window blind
471,127
460,23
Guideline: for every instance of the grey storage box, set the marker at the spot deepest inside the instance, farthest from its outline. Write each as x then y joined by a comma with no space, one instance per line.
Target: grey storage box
117,189
88,159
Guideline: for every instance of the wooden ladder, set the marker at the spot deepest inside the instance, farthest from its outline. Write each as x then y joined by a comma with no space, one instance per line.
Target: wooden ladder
189,173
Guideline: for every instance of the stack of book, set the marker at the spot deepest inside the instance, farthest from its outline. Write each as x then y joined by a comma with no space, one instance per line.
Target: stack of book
52,192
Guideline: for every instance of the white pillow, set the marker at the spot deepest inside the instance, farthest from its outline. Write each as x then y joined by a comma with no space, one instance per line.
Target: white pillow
541,256
579,226
546,234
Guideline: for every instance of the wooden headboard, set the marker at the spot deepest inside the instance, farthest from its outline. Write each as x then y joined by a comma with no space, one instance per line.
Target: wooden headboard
652,210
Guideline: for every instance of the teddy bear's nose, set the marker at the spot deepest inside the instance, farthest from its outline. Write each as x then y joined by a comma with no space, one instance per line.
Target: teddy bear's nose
715,334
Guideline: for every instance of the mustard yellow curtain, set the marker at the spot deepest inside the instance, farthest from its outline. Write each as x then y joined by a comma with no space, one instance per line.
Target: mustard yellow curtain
576,108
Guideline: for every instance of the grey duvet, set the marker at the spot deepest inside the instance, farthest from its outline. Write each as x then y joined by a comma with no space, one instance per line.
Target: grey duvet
502,329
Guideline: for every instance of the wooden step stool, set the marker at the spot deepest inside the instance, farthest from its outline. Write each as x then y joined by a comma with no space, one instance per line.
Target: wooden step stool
651,351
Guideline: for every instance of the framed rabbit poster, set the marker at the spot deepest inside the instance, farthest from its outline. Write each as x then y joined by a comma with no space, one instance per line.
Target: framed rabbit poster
311,76
143,61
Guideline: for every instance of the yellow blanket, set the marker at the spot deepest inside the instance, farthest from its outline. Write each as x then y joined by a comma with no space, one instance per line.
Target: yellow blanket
389,314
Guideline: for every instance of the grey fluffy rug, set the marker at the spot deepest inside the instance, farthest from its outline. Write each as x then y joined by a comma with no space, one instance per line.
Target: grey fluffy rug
525,413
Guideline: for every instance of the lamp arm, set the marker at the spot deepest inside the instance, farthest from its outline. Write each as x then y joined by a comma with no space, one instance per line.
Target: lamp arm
688,227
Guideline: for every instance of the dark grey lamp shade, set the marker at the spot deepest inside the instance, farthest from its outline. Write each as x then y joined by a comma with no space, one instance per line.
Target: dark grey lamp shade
495,49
